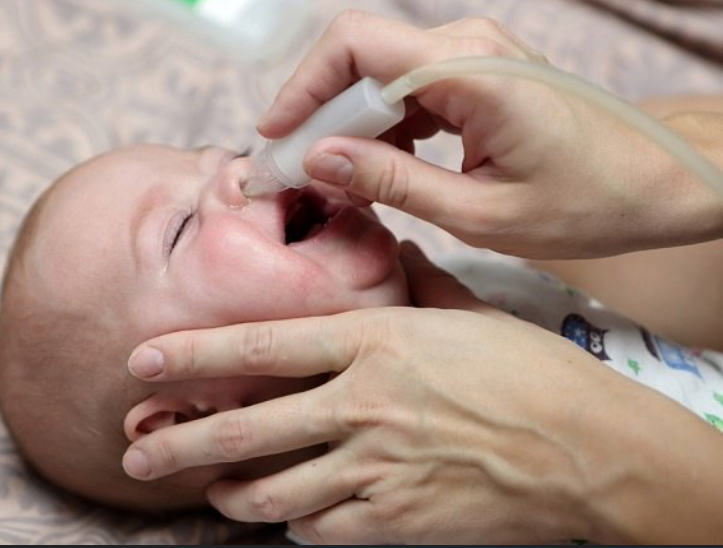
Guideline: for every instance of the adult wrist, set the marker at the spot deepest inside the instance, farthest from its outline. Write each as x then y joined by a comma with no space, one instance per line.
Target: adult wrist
653,470
657,202
696,209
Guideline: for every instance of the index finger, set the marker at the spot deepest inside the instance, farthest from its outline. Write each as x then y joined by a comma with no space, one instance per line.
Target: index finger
350,47
288,348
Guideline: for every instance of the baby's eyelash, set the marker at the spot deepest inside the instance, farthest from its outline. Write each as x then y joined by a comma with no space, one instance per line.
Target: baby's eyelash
244,153
176,231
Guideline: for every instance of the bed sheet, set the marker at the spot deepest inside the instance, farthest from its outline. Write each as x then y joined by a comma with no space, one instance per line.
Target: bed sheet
78,77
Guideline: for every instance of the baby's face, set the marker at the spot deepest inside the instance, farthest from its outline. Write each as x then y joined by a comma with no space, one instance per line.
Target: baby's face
178,239
168,236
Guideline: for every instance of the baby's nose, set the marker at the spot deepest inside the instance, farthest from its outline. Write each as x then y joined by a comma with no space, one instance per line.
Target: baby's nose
229,179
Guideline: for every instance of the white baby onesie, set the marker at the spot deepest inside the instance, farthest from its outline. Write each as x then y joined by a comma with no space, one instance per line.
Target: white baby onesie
692,377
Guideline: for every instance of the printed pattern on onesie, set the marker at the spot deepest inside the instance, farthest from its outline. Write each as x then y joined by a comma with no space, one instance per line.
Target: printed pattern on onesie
694,378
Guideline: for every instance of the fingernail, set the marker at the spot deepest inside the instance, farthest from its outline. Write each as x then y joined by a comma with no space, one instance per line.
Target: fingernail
331,168
136,464
146,362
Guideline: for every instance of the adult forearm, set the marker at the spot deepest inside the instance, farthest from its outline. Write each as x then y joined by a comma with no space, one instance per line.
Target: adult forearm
660,481
695,210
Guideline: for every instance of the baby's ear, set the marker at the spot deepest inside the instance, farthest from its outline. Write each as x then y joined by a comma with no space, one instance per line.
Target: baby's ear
160,411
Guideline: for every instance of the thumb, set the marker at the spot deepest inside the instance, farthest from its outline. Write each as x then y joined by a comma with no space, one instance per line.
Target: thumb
380,172
433,287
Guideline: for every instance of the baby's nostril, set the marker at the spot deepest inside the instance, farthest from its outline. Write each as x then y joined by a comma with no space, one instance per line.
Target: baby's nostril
242,182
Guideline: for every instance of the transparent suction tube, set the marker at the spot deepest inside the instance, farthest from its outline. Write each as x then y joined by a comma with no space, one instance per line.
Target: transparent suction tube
696,163
369,108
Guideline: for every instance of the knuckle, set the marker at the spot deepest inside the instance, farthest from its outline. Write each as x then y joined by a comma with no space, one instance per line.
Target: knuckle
483,45
467,26
188,366
481,35
256,345
485,24
265,506
346,20
362,412
345,26
393,184
230,438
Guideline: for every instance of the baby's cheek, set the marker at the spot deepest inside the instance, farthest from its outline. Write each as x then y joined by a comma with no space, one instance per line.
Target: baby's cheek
245,274
229,259
216,251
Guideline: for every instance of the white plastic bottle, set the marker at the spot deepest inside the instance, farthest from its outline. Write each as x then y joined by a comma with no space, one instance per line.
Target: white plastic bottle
359,111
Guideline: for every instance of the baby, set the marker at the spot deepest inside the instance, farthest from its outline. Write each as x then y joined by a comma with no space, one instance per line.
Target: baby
150,239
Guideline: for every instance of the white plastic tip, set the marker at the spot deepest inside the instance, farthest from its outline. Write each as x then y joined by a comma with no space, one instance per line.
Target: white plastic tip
254,187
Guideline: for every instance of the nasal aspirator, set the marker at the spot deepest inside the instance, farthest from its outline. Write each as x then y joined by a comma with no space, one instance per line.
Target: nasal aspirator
359,111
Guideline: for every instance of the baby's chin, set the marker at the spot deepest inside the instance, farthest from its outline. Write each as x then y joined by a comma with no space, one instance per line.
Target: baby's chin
392,291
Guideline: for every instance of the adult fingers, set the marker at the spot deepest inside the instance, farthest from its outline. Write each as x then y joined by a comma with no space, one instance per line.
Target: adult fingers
350,522
286,348
474,27
298,420
360,44
287,494
355,43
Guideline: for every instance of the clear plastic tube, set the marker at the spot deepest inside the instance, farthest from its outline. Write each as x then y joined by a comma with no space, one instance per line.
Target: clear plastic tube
695,162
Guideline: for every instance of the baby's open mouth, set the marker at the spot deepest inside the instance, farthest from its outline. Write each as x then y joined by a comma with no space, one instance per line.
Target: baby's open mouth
308,216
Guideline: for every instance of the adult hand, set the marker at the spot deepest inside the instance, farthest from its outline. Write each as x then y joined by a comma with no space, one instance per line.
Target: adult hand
544,175
455,424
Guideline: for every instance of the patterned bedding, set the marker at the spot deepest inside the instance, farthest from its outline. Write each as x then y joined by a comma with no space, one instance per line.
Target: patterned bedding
78,77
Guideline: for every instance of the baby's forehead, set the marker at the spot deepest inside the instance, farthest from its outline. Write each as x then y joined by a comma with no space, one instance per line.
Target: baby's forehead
112,184
123,161
82,239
